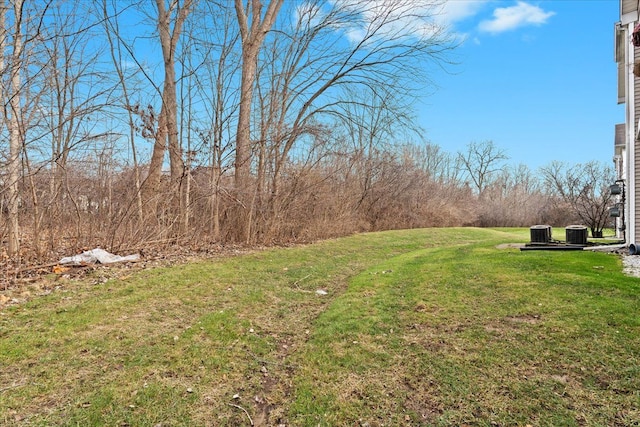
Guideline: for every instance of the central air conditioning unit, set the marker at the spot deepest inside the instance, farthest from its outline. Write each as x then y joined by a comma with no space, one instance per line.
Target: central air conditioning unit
540,234
576,234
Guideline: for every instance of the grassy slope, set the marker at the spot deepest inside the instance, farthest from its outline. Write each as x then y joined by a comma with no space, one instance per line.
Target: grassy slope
423,327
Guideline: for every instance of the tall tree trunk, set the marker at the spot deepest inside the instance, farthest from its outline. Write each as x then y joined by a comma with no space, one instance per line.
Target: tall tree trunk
15,134
253,34
167,132
243,137
215,202
36,206
152,183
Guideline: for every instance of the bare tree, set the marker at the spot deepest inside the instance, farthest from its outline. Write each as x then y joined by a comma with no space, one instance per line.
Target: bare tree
438,164
14,122
224,107
373,124
75,91
337,50
112,32
19,31
211,62
318,65
253,30
585,188
481,162
166,136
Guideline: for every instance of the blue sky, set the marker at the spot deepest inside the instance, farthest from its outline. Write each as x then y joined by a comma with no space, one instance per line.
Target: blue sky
537,78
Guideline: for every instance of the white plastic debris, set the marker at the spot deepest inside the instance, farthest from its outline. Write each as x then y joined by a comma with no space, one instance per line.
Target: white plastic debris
321,292
98,256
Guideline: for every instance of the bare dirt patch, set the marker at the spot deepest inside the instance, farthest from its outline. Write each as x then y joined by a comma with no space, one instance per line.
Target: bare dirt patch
531,319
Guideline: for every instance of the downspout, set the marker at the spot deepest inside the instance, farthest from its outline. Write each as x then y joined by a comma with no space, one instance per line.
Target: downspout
631,136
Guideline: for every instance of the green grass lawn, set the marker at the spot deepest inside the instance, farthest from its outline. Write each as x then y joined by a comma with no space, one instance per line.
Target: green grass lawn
421,327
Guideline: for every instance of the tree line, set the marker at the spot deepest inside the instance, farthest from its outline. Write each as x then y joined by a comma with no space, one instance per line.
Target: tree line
140,122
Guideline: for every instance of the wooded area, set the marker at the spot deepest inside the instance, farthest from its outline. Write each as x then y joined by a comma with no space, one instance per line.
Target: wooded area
190,122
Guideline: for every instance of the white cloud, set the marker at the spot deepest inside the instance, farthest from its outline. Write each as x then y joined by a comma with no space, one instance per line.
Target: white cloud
456,11
510,18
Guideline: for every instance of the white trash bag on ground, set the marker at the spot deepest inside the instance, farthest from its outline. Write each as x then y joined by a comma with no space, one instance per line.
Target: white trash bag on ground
98,256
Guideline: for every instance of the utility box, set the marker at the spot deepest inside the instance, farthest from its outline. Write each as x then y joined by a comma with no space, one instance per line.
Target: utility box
540,233
576,235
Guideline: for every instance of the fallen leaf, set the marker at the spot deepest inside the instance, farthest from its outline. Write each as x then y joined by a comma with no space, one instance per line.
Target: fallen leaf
58,269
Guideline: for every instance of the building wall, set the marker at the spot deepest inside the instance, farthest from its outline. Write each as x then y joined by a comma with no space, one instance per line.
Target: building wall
629,93
630,85
634,139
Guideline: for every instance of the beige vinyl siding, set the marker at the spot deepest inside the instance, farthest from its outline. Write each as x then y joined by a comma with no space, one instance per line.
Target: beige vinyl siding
629,6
